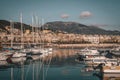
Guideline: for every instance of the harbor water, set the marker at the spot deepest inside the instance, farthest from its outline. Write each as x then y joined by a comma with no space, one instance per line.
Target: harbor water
60,67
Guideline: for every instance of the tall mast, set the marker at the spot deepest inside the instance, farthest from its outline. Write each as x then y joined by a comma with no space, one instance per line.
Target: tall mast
21,30
33,30
35,24
11,32
43,31
36,31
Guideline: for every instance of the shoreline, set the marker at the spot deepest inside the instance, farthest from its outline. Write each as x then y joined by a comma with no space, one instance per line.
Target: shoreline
112,45
104,45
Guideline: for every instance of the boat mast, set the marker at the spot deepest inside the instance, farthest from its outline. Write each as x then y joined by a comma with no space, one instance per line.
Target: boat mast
43,31
33,30
36,30
43,45
11,31
21,30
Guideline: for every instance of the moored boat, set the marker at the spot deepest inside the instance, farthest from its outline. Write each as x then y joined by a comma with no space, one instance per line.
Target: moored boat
18,54
111,76
18,59
3,57
111,68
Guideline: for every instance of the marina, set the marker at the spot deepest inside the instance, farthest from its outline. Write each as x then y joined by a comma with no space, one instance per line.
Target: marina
62,62
60,40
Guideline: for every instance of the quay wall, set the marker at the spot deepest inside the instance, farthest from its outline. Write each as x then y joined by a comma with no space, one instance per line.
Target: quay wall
85,45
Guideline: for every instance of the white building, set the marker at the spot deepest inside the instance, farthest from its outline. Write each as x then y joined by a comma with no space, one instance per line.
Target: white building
92,38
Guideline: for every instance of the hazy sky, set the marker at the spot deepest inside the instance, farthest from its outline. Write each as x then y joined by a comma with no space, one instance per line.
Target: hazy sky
102,13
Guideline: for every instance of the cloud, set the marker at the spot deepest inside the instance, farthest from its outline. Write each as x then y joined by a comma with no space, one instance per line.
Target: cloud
85,14
64,16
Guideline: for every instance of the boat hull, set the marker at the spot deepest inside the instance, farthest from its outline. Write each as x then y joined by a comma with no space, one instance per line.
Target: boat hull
111,69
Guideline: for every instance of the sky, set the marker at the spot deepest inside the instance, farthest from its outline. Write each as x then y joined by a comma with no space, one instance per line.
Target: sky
101,13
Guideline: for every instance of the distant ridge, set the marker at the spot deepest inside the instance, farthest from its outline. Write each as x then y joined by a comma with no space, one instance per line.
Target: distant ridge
4,23
17,25
73,27
69,27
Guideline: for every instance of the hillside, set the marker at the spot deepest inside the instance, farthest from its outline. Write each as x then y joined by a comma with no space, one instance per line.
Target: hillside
17,25
73,27
69,27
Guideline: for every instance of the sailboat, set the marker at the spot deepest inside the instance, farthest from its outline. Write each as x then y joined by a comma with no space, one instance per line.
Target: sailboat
7,52
35,49
18,55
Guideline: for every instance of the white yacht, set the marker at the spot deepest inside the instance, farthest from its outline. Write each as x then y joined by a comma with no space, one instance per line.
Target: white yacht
41,50
17,60
102,60
87,51
18,54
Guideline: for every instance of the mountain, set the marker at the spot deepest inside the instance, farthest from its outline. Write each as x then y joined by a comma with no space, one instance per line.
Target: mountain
4,23
69,27
16,25
73,27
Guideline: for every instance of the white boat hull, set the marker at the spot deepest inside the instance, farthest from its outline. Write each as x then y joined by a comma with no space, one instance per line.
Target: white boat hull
111,69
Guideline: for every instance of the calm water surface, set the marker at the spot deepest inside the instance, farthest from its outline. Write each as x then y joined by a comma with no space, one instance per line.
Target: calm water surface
59,68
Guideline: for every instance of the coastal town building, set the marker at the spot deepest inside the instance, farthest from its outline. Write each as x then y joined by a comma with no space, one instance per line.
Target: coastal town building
48,36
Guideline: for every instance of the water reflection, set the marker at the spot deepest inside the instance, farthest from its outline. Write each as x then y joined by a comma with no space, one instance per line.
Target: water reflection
59,66
111,76
107,76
